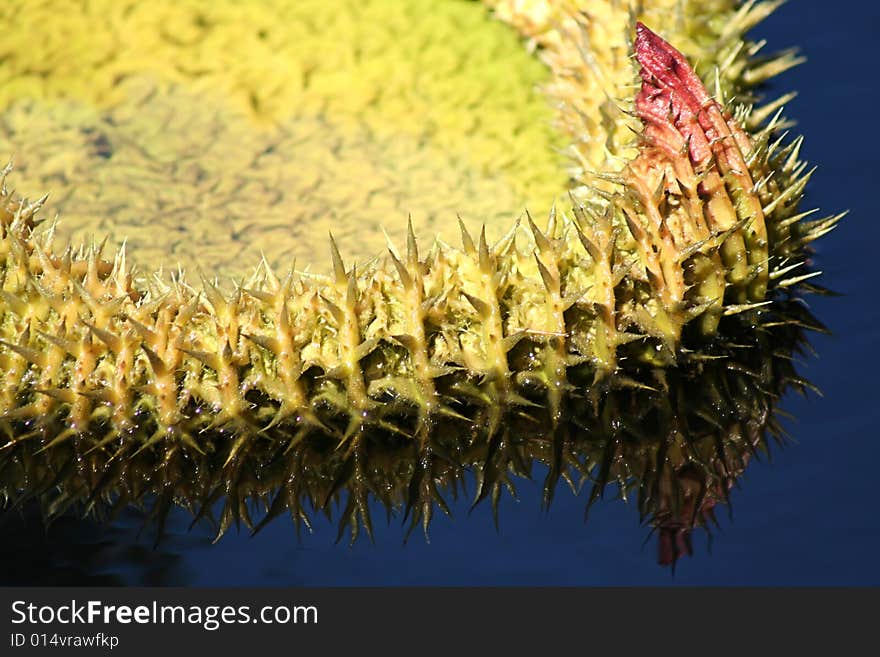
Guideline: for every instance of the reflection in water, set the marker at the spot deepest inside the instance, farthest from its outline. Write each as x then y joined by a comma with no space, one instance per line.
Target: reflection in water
674,440
75,551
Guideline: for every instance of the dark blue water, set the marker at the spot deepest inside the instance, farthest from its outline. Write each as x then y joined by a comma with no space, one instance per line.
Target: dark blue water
806,517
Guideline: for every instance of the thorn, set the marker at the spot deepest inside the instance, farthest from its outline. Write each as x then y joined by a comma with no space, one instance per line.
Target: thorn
18,306
779,273
466,241
793,190
405,278
798,279
759,116
211,360
114,342
31,355
480,306
260,295
485,261
351,293
62,395
744,307
551,283
269,344
412,249
541,240
338,265
159,367
820,227
67,345
591,248
389,243
551,220
335,310
146,333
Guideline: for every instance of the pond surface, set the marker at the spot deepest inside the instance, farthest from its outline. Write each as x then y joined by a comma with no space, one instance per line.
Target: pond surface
805,517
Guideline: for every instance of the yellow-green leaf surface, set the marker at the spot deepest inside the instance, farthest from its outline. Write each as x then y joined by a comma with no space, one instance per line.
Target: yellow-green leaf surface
208,132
